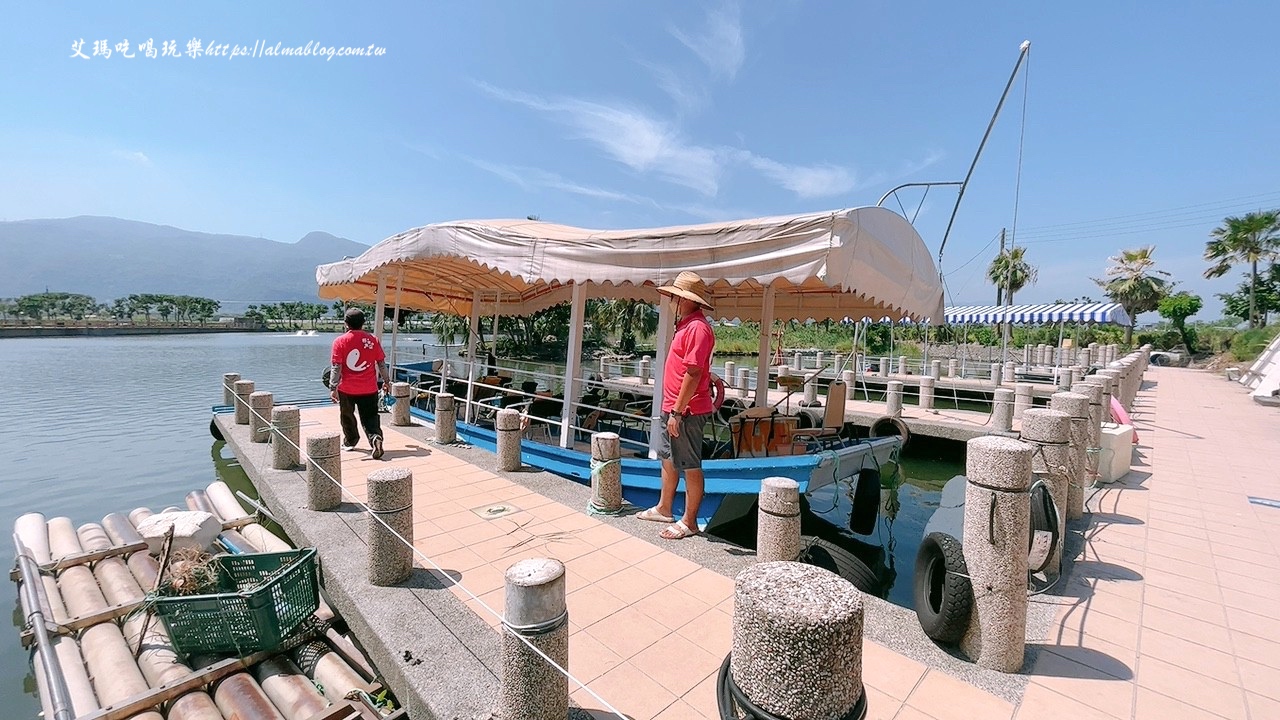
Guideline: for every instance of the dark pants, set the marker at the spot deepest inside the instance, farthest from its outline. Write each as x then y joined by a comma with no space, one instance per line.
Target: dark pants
368,407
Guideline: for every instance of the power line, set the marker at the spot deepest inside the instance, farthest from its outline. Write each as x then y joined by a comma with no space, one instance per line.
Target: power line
1275,194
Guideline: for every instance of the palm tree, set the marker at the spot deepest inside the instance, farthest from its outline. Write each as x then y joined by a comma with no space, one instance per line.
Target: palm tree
630,318
1010,270
1132,281
1251,238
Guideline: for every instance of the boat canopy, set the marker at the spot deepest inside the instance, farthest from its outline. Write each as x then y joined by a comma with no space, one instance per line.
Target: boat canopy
860,263
1019,314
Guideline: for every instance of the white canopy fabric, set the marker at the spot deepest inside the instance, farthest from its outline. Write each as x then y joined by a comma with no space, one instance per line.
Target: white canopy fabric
863,262
1060,312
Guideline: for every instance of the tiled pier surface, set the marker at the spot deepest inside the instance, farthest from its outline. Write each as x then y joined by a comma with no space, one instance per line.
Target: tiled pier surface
1164,614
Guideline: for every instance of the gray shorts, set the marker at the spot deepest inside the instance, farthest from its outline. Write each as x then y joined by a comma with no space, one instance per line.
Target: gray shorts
686,450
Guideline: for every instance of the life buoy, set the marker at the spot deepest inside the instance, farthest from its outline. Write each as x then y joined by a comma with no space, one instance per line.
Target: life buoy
718,392
943,594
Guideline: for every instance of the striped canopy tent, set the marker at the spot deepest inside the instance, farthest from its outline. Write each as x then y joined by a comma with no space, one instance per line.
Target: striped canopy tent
1038,314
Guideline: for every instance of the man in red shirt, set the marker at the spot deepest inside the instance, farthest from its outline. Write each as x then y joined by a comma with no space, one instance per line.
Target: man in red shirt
686,405
359,368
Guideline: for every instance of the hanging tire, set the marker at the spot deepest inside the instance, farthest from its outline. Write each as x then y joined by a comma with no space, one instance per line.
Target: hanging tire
866,502
1045,523
943,593
215,431
829,556
889,425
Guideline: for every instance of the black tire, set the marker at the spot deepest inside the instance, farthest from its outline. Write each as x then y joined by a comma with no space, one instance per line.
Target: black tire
829,556
943,593
889,425
214,431
866,502
1044,518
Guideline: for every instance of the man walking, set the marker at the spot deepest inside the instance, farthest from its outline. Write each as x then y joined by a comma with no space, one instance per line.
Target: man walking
686,405
359,368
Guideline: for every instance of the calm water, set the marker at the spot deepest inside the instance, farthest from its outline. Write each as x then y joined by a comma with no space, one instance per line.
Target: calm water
99,425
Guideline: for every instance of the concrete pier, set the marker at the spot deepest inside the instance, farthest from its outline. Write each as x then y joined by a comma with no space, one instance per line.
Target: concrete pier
1049,432
324,471
243,389
285,442
446,419
400,410
536,614
778,527
606,473
1075,406
390,558
507,427
229,388
260,403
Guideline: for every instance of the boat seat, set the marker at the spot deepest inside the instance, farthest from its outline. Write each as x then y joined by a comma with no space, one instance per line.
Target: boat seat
831,432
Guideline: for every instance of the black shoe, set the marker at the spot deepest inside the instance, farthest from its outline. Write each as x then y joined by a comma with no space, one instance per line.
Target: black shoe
377,448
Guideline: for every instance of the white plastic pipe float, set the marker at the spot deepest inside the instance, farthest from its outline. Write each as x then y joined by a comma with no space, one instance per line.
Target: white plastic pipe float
294,695
329,670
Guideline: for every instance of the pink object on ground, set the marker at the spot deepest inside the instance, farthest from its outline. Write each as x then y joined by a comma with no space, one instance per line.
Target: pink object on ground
1119,415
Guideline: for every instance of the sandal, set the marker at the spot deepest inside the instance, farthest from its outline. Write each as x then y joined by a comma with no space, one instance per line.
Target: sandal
654,515
677,531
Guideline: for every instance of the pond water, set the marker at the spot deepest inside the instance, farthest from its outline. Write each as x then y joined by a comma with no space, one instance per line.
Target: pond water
100,425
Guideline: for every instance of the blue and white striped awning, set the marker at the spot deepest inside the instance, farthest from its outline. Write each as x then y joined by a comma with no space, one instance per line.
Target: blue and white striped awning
1017,314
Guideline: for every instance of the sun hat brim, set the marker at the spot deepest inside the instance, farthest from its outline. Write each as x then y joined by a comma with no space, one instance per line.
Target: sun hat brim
686,294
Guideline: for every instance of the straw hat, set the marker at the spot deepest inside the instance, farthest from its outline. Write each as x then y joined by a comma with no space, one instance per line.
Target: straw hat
691,286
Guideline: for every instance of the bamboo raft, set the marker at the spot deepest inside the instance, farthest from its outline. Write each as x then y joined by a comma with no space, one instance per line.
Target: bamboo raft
98,657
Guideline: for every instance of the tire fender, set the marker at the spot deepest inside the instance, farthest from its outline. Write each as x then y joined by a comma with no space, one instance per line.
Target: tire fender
942,592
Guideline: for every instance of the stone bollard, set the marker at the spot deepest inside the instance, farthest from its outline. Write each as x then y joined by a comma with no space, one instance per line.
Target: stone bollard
644,368
508,429
1026,355
778,527
792,620
244,388
400,411
997,522
1010,370
1049,432
997,374
1094,392
811,392
884,367
260,403
1002,411
284,437
229,388
1074,375
1023,398
531,688
893,399
606,473
850,379
935,369
926,392
744,380
730,367
1075,406
1110,386
446,419
953,366
818,360
1062,378
390,559
324,471
902,365
1084,358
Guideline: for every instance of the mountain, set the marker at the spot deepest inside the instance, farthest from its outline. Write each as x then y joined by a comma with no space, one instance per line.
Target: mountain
109,258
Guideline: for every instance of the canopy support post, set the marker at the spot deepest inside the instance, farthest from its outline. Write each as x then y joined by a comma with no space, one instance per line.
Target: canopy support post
762,358
573,365
472,332
395,326
666,328
380,306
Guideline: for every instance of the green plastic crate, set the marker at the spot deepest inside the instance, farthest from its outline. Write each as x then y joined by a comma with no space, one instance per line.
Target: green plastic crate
263,597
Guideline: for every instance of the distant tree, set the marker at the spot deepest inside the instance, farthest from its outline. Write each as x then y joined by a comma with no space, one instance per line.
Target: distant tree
1133,281
1265,296
628,318
164,309
1011,271
1250,239
1176,308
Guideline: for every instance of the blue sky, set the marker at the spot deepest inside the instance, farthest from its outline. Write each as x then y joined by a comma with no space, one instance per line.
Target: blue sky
1145,122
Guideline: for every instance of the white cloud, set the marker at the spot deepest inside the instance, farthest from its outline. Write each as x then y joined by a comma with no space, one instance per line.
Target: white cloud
806,181
135,156
689,96
630,136
530,178
720,45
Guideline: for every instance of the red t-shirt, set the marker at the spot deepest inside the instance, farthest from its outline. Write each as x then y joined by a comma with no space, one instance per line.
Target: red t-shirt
691,347
358,353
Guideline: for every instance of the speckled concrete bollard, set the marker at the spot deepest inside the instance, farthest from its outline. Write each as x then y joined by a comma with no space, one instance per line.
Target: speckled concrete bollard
446,419
1050,432
953,367
792,620
1002,410
244,388
995,550
1075,406
744,380
903,368
1108,381
997,374
284,437
536,611
810,393
1094,392
730,368
229,388
927,384
389,558
644,369
935,369
1026,355
606,473
778,527
819,358
893,399
1010,372
324,471
850,379
1023,398
1084,358
400,411
260,404
1062,378
508,429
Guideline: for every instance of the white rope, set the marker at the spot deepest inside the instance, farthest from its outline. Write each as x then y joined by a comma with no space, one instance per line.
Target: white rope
375,516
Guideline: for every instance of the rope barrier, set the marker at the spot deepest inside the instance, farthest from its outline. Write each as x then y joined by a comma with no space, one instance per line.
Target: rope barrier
456,583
